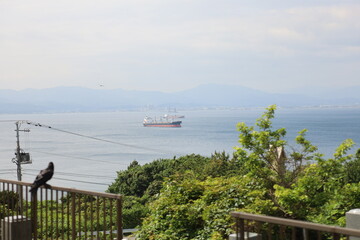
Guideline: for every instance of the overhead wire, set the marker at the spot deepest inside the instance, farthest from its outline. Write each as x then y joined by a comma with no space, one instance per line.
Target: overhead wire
76,174
82,158
10,120
93,138
75,180
9,169
89,137
3,172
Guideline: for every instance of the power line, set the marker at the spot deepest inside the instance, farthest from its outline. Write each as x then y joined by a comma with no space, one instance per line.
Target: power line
12,121
90,137
82,158
87,159
75,180
93,138
75,174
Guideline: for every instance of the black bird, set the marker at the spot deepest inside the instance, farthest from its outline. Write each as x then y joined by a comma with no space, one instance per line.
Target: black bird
44,176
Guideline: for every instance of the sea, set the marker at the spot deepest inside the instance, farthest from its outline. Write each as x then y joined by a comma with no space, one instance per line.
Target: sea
88,149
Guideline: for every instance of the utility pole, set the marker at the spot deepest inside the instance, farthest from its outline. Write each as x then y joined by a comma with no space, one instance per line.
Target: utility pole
19,155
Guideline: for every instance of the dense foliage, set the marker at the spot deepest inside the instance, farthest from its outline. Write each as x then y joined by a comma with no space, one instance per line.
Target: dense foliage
195,209
147,180
142,184
191,197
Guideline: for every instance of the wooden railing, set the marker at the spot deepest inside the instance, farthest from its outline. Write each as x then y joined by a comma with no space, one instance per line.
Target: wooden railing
60,213
252,226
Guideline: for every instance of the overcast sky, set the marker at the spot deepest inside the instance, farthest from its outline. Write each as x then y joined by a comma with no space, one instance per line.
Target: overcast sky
172,45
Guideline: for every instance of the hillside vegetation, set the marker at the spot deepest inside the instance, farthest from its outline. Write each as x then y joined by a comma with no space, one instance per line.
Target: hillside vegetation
191,197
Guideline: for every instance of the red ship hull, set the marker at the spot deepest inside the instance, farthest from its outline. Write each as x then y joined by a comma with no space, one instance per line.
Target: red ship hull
171,124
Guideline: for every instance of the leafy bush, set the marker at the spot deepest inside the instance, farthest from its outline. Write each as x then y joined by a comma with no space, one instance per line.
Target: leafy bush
134,210
352,169
191,197
140,180
195,209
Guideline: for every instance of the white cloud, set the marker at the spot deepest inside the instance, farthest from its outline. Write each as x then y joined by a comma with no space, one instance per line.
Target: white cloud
79,42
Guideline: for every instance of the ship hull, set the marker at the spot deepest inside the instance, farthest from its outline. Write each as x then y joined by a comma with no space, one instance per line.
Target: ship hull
171,124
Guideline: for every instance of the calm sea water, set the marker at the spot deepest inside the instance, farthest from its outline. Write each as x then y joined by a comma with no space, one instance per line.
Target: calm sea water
90,164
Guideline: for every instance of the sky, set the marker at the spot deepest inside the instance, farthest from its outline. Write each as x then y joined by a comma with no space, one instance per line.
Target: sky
174,45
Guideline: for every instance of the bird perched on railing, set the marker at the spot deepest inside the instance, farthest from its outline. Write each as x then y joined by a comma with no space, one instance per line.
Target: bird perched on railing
41,179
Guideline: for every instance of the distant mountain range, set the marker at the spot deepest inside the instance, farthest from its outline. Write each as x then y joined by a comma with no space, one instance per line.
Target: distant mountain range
77,99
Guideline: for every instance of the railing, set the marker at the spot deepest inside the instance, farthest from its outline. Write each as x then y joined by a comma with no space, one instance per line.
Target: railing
266,227
60,213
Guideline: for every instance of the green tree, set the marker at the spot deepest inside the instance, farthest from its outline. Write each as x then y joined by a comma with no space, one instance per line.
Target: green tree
352,169
266,155
323,193
139,180
142,184
190,208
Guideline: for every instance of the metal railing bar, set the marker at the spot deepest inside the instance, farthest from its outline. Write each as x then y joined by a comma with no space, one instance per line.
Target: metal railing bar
57,213
41,212
85,218
318,233
34,215
97,217
91,218
26,198
293,233
62,215
119,219
282,232
70,190
12,205
336,236
19,190
46,212
111,224
258,226
242,229
3,210
51,214
68,216
269,231
297,223
79,212
104,219
73,214
8,212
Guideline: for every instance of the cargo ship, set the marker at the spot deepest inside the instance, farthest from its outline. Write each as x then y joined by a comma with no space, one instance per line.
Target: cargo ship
163,122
